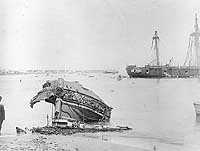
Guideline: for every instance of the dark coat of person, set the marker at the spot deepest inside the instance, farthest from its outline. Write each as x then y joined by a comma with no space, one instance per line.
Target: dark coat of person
2,112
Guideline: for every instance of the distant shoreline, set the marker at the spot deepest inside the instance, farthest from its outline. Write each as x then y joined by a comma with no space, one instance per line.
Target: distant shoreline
47,72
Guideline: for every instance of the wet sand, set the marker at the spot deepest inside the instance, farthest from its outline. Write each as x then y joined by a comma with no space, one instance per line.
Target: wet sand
60,143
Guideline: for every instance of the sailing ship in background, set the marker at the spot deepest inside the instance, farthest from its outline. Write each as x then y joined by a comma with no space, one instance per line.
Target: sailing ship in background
190,67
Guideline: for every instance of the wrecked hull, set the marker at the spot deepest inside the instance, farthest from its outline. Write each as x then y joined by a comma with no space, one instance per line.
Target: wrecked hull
72,100
82,113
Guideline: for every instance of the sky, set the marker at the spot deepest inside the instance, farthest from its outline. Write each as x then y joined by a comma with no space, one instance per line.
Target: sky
92,34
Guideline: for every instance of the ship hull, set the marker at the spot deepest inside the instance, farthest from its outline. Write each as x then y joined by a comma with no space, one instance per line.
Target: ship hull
72,100
82,113
162,71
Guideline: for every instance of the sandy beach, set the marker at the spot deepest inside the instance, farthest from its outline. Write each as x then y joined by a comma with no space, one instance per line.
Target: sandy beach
84,142
59,142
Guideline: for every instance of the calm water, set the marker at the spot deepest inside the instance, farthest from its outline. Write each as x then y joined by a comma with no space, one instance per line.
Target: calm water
160,112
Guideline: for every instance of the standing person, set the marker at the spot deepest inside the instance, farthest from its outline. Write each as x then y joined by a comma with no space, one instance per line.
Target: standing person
2,113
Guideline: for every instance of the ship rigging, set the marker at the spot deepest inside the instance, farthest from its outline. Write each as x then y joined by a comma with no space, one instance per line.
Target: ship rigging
190,67
193,52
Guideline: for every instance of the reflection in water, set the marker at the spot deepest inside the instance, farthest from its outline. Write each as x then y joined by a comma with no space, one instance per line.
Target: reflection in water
198,79
198,120
197,124
157,81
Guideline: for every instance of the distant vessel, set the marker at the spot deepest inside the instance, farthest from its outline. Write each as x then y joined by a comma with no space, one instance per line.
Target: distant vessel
190,68
110,72
197,107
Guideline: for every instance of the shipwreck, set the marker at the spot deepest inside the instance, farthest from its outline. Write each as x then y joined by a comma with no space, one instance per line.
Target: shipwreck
72,102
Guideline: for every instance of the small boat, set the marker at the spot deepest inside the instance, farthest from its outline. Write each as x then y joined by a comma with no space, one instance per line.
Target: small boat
197,107
72,100
110,72
119,78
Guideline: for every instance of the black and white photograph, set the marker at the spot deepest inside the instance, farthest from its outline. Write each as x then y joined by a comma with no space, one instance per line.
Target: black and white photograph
99,75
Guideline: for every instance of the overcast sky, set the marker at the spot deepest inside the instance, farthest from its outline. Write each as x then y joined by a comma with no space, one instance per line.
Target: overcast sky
92,34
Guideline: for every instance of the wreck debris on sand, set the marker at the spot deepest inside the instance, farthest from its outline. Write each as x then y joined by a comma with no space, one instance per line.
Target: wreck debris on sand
69,131
72,102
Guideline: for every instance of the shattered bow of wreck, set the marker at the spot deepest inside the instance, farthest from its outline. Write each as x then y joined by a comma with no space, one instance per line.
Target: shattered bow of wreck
72,100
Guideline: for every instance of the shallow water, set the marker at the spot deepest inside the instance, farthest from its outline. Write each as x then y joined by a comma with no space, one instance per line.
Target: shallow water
160,111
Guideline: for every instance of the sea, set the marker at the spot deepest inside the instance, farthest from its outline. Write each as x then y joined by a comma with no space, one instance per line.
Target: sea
159,111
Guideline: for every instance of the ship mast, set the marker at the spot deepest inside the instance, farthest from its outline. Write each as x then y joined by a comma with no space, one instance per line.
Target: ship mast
194,45
196,35
155,42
